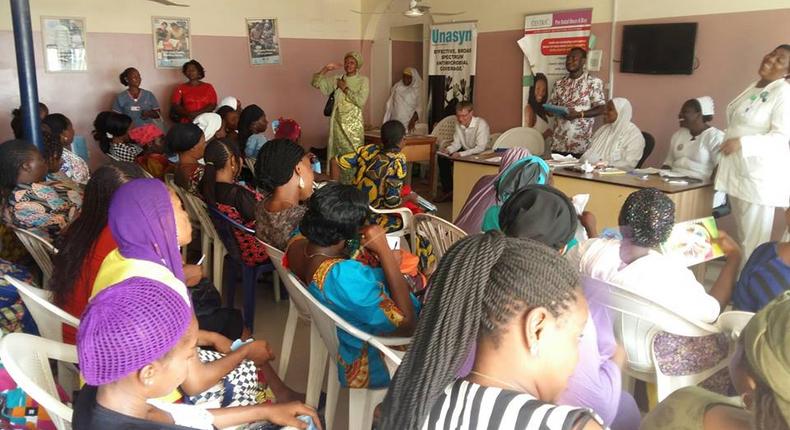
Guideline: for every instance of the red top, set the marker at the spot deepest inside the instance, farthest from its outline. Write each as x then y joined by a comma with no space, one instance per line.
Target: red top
194,97
83,286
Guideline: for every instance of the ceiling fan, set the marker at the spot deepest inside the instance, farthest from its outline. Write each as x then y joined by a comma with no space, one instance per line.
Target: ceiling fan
169,3
415,10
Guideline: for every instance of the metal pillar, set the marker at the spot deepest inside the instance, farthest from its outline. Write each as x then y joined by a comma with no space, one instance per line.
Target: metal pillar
26,68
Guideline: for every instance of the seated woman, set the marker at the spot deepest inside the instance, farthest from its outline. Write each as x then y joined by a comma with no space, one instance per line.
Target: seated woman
765,275
86,242
111,130
375,300
74,167
149,224
694,149
483,194
635,264
27,200
138,104
220,188
252,124
283,171
546,215
189,142
760,369
526,171
230,123
211,125
194,97
380,173
618,143
521,303
136,343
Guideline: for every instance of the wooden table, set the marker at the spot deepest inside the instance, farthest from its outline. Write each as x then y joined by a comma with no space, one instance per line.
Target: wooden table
607,192
417,148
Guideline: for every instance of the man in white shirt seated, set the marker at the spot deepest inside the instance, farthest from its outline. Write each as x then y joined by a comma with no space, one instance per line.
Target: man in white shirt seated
471,137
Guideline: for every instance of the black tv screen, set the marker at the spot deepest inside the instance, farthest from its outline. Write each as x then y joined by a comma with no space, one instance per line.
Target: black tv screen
659,49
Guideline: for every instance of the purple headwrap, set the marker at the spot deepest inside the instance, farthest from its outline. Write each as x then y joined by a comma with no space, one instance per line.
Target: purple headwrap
483,194
143,224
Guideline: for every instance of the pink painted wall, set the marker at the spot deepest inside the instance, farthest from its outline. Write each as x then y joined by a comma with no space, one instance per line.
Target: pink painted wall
405,54
281,90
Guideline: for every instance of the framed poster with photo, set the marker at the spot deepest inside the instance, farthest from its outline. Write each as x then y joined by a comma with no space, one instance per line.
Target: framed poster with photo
172,41
264,41
64,42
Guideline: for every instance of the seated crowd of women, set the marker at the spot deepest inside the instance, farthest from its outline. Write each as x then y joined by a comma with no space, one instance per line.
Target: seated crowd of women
504,335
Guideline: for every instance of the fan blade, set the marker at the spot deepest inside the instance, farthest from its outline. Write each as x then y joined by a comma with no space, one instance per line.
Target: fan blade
423,9
369,13
169,3
447,13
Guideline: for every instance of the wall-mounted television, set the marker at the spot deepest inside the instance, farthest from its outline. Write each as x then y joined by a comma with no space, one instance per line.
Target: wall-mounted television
659,49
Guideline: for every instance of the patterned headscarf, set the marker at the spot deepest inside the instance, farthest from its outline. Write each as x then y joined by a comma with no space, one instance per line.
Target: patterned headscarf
356,56
647,217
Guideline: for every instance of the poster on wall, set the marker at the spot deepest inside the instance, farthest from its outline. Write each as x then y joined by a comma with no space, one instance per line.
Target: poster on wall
547,39
172,43
451,68
264,41
64,44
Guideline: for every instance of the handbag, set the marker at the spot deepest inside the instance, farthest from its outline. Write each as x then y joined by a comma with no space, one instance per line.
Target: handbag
330,105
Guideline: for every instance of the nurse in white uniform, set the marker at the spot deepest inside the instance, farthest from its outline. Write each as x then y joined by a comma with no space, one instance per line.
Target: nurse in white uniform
404,102
755,165
694,149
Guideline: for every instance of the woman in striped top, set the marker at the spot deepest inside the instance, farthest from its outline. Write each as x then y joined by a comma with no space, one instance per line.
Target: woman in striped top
522,303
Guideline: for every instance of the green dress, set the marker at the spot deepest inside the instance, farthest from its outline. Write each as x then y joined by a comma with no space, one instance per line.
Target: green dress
685,409
346,126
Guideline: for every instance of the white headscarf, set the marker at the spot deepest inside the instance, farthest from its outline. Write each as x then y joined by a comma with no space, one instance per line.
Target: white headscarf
229,101
209,122
706,105
405,100
620,142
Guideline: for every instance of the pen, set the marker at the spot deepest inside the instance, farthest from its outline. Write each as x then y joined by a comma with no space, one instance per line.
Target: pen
203,257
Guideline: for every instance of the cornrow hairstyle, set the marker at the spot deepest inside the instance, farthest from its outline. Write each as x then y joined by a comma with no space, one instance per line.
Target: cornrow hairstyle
57,123
334,213
248,116
53,150
481,283
392,133
124,76
77,241
218,154
13,154
276,162
648,215
198,66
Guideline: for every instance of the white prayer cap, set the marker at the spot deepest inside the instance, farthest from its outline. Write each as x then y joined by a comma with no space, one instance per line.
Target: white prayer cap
706,105
209,122
229,101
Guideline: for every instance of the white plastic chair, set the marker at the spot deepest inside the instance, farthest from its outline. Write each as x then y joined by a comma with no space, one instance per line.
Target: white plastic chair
40,249
441,233
362,401
524,137
443,131
26,358
250,163
297,309
408,223
637,321
492,138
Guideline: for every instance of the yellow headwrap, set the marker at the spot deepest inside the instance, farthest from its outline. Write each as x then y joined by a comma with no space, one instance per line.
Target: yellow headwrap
356,56
766,342
407,71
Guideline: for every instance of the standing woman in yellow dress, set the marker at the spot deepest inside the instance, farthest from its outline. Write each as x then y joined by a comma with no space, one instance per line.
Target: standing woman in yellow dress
346,126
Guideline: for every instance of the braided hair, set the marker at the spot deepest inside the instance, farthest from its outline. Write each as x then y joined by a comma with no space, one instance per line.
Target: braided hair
648,216
217,155
276,162
57,123
108,125
481,284
52,150
13,154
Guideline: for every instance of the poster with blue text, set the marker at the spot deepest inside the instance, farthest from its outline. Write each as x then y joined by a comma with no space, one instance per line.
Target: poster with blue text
547,39
451,68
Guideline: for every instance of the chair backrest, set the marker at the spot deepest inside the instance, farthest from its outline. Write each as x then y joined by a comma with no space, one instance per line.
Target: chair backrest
492,138
440,233
327,322
223,226
47,316
250,163
405,215
39,248
650,143
637,320
196,209
26,358
276,257
524,137
444,130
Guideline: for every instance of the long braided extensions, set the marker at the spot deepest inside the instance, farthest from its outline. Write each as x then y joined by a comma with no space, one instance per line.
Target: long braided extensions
480,285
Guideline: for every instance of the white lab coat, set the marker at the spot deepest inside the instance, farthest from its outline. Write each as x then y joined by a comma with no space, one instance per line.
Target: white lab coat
695,156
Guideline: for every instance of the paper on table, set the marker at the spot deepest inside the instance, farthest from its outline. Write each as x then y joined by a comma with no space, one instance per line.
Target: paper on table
647,171
670,174
495,159
560,157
